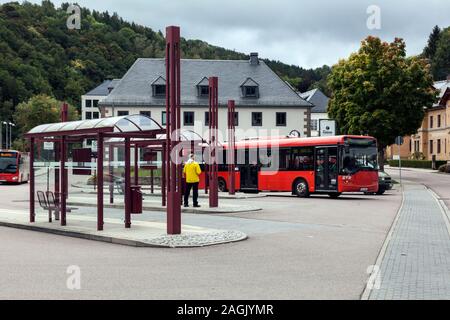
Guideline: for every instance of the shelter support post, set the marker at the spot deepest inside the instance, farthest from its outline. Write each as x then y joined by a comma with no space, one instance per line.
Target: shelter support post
173,166
213,122
231,146
111,173
32,212
100,153
63,179
127,184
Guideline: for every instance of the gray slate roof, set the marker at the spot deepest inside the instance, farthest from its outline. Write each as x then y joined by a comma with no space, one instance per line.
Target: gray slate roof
135,87
442,86
103,89
318,99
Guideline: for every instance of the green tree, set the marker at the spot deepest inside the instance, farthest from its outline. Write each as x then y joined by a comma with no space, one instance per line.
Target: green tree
441,59
378,91
38,110
433,40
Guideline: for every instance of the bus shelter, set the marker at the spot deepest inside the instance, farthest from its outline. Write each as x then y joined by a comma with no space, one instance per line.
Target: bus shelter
134,131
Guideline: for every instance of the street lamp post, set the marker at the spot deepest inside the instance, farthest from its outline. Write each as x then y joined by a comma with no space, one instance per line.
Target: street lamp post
6,134
10,135
1,135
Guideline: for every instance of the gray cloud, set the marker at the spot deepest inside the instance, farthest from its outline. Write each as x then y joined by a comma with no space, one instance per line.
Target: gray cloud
305,33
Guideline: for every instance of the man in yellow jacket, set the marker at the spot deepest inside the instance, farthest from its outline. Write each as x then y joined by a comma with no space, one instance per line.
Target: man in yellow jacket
191,173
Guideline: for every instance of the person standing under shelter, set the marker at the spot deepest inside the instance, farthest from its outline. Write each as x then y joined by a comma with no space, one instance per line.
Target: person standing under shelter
191,172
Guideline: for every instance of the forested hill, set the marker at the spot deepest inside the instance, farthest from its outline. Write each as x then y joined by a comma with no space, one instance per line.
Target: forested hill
39,54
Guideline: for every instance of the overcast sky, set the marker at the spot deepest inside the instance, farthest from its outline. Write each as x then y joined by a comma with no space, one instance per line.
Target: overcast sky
305,33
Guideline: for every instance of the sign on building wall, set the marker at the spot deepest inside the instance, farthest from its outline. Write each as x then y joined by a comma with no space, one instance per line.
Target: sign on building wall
327,127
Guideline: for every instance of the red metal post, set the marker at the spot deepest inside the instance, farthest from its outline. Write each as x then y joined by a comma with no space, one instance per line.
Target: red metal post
173,167
213,122
32,213
111,173
231,146
136,166
100,182
163,176
127,184
63,179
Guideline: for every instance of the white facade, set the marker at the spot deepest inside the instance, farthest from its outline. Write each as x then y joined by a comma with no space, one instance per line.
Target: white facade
315,119
295,119
89,106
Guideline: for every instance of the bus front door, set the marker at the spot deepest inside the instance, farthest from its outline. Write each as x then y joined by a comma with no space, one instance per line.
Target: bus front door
326,169
249,174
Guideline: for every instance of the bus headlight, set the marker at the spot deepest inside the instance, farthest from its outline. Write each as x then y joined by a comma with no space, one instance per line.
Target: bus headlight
15,178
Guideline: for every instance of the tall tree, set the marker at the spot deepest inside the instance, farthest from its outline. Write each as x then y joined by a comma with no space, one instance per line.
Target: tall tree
37,110
441,59
379,92
433,39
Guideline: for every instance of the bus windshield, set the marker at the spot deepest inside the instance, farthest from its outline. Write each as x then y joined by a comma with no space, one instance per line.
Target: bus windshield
8,162
359,154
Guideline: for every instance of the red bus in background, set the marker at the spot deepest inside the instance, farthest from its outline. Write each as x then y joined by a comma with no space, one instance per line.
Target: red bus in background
326,165
14,166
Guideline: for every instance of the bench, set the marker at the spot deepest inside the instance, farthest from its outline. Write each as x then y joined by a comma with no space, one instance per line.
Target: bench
48,202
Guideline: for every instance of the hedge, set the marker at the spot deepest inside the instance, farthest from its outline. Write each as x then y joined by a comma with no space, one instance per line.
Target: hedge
425,164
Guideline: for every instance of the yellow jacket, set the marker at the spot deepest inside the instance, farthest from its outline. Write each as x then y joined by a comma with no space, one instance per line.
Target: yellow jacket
192,172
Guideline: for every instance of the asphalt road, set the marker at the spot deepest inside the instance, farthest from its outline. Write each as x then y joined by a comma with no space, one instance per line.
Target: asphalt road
438,182
316,248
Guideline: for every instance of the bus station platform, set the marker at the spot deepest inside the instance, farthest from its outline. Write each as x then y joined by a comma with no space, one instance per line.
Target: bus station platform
141,234
153,203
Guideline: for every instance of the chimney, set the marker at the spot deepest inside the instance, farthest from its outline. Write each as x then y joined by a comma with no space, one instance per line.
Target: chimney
254,58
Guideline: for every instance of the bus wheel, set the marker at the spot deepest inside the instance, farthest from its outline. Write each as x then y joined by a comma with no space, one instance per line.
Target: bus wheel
301,188
334,195
222,185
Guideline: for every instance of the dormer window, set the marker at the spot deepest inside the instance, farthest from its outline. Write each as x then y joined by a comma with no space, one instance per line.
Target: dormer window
203,88
159,87
250,88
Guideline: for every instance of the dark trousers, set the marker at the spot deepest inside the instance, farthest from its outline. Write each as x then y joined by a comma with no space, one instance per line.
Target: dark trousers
187,192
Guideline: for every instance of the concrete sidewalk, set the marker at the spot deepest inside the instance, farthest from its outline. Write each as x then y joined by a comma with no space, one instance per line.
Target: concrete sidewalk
154,204
415,260
141,233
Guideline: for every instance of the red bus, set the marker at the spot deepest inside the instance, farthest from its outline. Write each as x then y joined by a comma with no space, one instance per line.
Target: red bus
14,166
327,165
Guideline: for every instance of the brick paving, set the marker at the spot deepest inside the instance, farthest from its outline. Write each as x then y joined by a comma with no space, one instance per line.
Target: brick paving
416,263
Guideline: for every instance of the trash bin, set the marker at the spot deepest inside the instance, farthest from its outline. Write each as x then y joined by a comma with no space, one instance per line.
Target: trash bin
136,199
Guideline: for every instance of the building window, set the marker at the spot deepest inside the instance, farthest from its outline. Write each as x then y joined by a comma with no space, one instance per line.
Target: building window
207,118
146,113
95,115
431,146
203,91
314,123
280,119
410,145
188,118
250,92
163,118
438,145
431,122
439,121
257,119
159,90
95,103
122,113
88,103
88,115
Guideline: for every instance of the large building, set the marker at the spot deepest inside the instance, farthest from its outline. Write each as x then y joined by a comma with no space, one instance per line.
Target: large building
264,102
90,100
319,112
433,136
